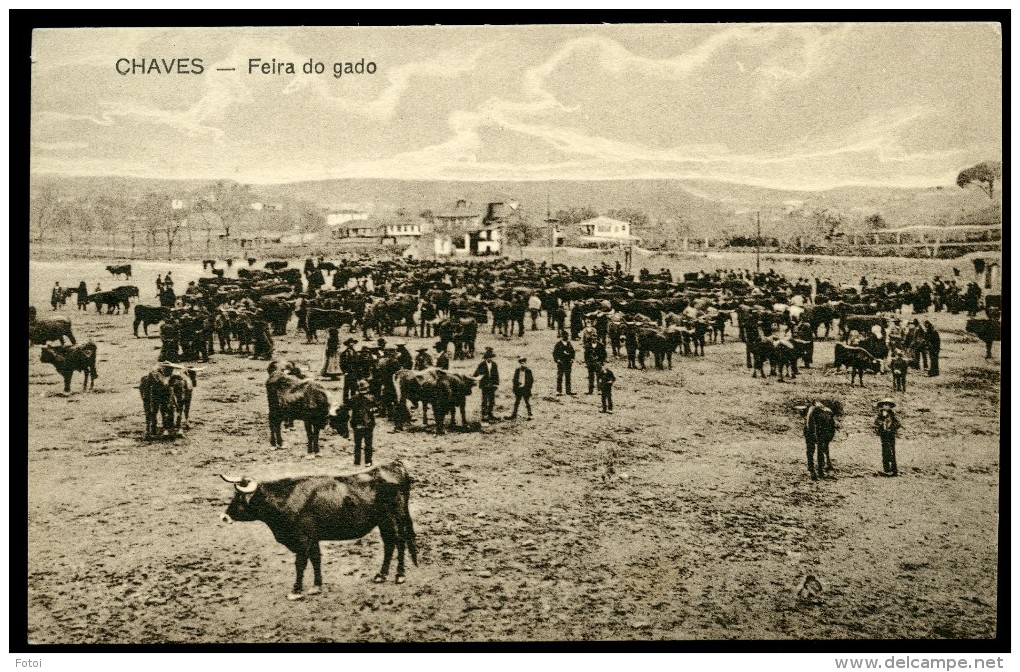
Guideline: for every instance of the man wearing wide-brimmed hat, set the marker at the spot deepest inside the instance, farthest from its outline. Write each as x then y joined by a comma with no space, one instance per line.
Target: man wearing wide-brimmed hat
488,374
886,426
362,419
443,360
422,360
349,366
403,356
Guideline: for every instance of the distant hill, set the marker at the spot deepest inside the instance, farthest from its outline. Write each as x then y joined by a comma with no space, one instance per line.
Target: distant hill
703,207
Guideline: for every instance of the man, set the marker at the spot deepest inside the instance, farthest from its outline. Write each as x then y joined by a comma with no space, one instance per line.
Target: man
443,361
886,426
56,296
423,360
404,357
606,380
487,383
560,317
169,280
933,341
159,285
362,411
917,344
899,366
594,357
563,355
631,341
576,322
349,367
523,381
534,306
428,314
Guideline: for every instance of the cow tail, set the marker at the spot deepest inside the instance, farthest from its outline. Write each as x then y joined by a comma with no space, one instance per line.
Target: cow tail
406,526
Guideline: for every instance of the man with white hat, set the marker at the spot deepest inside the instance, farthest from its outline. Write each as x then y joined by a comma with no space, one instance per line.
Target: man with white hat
886,426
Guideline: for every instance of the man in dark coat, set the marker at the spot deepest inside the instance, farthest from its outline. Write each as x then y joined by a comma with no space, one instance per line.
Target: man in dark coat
563,355
362,419
523,381
594,356
631,341
933,341
404,357
559,317
423,360
349,367
443,360
886,426
576,323
488,382
606,380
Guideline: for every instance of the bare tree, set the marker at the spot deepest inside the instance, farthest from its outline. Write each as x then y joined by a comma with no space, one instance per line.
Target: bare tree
45,206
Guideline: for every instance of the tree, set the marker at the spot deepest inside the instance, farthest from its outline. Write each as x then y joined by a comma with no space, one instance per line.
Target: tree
635,217
876,222
575,215
830,221
231,201
154,210
105,209
44,208
983,174
520,232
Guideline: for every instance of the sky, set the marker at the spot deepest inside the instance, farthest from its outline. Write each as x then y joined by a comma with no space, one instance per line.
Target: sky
791,106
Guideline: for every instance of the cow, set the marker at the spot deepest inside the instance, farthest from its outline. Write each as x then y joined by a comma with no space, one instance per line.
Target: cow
661,343
166,393
43,330
819,429
275,265
70,358
146,315
292,397
124,270
861,323
321,318
988,331
858,360
208,263
302,512
218,272
444,391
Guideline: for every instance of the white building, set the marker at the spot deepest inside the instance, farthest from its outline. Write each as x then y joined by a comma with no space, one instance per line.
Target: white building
604,230
340,216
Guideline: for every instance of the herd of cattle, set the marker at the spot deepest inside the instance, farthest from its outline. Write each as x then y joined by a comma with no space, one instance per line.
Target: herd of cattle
777,319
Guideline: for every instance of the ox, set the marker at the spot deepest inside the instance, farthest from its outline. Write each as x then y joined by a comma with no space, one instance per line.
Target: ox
166,393
988,331
124,270
858,360
146,315
41,331
301,512
291,397
70,358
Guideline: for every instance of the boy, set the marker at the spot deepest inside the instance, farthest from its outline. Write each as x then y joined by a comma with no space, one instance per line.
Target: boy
886,426
899,366
606,380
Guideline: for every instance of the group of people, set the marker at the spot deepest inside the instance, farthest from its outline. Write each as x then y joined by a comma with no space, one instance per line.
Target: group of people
922,343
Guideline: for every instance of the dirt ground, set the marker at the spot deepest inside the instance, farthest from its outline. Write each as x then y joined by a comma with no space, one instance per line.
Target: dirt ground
686,514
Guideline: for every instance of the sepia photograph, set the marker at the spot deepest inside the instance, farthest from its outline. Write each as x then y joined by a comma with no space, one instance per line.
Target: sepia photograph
545,333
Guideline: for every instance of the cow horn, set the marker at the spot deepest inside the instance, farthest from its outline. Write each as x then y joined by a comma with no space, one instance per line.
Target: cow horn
247,489
232,479
196,370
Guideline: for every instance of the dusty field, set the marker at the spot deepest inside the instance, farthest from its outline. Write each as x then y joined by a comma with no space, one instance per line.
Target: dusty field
686,514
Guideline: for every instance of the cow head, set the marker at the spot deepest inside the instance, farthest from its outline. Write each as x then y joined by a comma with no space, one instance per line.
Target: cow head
48,356
240,507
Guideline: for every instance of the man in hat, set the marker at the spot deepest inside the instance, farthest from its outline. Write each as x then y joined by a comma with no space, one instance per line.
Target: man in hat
594,357
563,355
933,341
559,317
523,381
886,426
362,420
381,344
606,380
631,343
349,367
899,366
404,357
443,360
423,360
488,374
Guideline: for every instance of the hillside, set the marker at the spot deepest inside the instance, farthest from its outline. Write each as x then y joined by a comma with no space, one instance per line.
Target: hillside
702,207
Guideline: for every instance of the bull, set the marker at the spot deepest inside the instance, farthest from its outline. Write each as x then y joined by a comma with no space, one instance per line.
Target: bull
124,270
147,315
988,331
41,331
70,358
302,512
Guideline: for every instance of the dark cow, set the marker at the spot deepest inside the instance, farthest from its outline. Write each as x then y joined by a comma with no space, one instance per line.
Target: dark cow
301,512
43,330
124,270
858,360
819,429
218,272
208,263
292,397
275,265
321,318
146,315
166,393
988,331
861,324
70,358
661,343
444,391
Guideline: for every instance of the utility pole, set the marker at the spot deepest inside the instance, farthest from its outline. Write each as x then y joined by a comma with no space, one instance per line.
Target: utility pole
757,247
552,232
